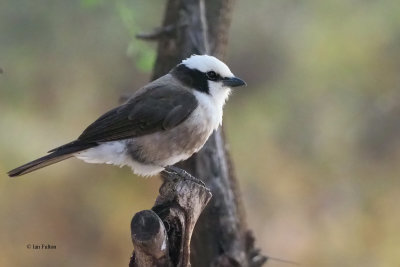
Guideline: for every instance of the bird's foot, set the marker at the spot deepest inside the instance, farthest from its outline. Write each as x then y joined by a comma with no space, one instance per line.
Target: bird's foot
173,171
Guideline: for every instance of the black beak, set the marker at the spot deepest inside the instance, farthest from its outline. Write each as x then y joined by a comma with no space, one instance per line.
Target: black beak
234,82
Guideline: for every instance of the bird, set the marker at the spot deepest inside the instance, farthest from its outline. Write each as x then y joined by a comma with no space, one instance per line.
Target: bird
162,123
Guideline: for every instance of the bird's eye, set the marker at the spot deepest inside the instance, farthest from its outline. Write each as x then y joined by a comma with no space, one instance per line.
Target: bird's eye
211,75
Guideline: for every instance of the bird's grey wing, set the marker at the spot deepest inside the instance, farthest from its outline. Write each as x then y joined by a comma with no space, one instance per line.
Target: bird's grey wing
157,109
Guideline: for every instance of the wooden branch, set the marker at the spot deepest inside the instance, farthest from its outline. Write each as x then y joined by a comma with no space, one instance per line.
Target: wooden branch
150,239
161,236
157,33
189,39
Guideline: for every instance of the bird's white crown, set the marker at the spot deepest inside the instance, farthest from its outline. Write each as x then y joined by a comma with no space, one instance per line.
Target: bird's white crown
205,63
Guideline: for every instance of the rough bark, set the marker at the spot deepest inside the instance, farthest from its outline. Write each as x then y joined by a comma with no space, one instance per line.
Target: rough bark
149,238
161,236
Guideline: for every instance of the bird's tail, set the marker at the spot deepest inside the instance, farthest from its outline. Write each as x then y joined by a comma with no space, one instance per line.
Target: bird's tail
56,155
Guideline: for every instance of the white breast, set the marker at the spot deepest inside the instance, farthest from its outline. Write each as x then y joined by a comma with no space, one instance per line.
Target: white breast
212,104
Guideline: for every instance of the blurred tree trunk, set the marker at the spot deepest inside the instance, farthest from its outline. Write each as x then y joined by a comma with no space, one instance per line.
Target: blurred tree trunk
221,237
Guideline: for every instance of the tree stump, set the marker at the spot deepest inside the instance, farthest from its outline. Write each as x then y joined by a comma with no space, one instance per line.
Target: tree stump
161,236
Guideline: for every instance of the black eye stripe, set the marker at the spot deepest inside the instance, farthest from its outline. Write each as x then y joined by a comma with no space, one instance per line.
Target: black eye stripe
191,77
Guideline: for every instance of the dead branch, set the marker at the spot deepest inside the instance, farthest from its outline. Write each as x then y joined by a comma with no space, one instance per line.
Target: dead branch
161,236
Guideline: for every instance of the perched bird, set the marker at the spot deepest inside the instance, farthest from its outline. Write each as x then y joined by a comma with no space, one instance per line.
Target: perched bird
164,122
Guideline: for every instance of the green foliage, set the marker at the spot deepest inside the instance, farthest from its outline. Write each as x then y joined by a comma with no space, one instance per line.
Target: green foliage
144,55
142,52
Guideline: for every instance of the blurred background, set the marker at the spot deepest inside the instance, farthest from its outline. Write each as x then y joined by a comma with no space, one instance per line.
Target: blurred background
315,137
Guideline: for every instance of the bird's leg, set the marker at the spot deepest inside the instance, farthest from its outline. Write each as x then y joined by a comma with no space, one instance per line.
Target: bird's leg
173,171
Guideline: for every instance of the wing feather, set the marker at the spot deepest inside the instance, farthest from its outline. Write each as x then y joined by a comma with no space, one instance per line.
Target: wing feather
156,109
